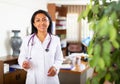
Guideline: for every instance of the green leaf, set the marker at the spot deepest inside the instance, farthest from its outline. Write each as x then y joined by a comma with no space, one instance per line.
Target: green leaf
115,44
90,51
101,63
106,52
95,81
106,46
104,20
88,81
112,33
101,74
108,76
84,13
113,17
95,9
90,48
96,55
97,50
103,25
91,25
93,62
81,16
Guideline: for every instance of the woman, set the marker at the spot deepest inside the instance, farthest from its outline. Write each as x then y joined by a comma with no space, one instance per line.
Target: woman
40,53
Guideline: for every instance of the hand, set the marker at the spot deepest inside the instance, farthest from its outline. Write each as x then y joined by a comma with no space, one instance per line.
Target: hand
26,65
52,71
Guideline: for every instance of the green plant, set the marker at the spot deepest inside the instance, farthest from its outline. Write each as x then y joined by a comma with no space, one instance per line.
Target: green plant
104,48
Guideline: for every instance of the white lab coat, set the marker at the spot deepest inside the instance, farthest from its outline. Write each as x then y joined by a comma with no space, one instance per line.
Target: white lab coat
41,60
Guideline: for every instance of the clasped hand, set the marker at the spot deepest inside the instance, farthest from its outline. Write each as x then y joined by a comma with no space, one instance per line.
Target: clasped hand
52,71
26,64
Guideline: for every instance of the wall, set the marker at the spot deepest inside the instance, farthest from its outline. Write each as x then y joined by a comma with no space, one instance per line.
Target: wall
16,14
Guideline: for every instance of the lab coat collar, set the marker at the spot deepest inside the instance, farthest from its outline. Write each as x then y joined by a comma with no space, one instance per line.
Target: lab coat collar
46,38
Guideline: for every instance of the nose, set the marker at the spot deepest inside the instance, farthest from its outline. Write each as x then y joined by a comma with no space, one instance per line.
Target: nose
41,22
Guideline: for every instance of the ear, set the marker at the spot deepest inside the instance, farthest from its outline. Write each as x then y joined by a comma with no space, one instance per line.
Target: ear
34,24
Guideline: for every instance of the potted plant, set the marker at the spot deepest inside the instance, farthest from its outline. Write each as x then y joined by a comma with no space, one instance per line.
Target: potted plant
104,48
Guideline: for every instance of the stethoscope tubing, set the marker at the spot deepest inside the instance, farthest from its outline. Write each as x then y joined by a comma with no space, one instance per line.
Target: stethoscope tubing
32,44
31,38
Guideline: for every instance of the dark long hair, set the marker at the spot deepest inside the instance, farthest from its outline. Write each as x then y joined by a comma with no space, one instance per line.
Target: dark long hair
34,30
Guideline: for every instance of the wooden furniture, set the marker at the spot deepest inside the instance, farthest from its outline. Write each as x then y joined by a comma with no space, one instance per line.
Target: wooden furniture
53,9
74,47
75,76
62,12
17,76
60,31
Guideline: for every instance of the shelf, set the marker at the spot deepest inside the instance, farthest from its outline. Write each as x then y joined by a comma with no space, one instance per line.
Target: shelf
9,59
58,14
60,31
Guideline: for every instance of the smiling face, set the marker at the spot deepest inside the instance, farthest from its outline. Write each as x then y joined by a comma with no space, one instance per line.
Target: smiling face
41,22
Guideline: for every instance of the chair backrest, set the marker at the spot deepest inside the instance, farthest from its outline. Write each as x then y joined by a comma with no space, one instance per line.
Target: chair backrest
74,48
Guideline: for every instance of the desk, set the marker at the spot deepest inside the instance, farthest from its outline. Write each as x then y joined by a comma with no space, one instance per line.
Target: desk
17,76
75,76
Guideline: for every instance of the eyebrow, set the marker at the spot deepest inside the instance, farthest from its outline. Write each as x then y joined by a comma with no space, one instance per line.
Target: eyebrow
42,17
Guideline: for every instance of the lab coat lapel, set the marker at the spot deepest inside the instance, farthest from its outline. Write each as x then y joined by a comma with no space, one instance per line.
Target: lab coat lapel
45,42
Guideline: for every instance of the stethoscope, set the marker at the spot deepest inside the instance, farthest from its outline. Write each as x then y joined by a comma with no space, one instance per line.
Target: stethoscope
31,40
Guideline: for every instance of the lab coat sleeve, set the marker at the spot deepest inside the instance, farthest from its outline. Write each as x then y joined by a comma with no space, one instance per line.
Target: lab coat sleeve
23,53
58,56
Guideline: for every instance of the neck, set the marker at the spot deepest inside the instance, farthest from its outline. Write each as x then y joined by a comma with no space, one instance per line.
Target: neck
41,36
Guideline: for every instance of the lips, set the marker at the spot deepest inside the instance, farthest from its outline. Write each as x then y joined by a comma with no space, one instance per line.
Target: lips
42,27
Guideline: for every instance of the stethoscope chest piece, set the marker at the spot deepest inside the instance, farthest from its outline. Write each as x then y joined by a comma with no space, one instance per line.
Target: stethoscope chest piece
47,50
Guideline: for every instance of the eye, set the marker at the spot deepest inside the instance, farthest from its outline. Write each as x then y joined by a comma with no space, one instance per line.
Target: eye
37,20
44,19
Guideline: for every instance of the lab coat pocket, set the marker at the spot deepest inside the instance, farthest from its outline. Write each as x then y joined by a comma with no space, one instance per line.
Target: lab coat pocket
51,52
51,55
30,77
53,80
